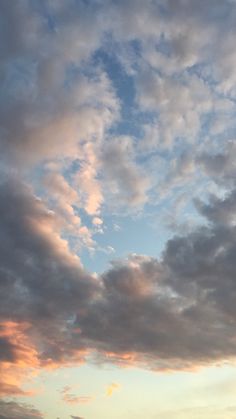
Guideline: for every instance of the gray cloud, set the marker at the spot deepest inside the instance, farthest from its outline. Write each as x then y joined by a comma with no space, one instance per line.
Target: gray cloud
43,110
13,410
176,312
172,313
40,279
124,177
220,165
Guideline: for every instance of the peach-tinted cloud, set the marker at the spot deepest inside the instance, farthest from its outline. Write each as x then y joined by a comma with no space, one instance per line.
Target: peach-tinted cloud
60,105
74,399
71,398
97,221
129,314
87,180
19,358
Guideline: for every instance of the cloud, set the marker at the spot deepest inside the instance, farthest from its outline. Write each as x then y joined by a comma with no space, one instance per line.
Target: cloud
61,121
71,398
111,388
42,285
13,410
45,112
220,165
87,180
38,133
171,313
17,353
177,118
177,312
124,177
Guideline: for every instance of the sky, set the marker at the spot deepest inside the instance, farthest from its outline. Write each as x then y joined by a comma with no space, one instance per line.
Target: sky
117,209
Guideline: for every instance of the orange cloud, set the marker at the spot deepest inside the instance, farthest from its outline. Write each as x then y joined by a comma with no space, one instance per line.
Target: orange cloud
20,361
18,357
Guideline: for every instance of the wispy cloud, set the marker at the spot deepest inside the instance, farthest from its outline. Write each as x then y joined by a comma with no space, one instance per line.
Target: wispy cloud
71,398
111,388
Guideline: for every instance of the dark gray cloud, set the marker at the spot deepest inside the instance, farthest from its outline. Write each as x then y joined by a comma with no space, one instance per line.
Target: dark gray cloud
221,165
178,311
41,281
220,211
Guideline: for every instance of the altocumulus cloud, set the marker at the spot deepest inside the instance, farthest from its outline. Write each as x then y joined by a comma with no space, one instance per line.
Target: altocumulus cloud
59,114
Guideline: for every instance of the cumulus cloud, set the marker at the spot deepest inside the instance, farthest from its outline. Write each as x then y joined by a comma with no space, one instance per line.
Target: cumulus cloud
87,180
125,179
175,312
51,113
37,272
59,121
220,165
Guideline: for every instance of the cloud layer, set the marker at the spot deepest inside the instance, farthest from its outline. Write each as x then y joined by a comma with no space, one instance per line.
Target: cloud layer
110,109
172,313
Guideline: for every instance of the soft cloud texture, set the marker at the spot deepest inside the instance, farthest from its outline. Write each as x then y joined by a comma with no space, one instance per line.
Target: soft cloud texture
115,109
171,313
13,410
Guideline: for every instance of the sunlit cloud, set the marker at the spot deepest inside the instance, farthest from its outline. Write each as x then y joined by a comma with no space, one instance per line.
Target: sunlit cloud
111,388
117,122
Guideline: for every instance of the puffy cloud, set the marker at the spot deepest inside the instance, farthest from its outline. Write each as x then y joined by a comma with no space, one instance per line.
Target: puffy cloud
179,311
124,177
97,221
173,313
42,285
178,103
87,180
220,211
47,107
63,198
43,130
220,165
60,110
17,353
